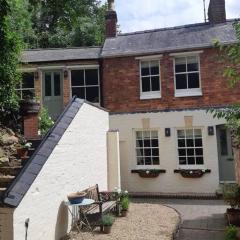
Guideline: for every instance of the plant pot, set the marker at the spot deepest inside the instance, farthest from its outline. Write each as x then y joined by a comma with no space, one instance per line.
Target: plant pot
233,216
75,198
124,213
29,106
22,152
148,174
107,229
191,173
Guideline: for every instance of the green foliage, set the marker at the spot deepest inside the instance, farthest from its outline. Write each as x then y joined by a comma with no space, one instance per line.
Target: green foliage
231,233
45,121
11,46
231,195
107,220
63,23
125,203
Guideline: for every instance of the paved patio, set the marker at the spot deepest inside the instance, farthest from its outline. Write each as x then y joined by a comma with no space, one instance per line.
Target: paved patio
201,219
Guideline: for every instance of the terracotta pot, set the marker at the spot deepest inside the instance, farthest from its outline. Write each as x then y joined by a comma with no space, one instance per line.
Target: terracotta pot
107,229
22,152
233,216
124,213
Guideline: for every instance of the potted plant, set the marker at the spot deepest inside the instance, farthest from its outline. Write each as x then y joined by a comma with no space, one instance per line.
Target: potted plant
231,195
107,222
124,205
23,147
75,198
29,105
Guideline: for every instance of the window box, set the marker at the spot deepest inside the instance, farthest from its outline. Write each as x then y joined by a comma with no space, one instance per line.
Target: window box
149,173
192,173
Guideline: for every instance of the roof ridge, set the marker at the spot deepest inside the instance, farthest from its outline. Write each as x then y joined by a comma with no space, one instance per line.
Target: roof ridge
67,48
177,27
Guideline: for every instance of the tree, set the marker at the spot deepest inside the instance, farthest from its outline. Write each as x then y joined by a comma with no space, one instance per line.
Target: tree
231,55
11,46
64,23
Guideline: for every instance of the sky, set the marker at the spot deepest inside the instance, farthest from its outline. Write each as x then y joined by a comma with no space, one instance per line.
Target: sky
137,15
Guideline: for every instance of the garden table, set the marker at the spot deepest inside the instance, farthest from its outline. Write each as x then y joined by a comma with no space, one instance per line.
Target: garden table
82,218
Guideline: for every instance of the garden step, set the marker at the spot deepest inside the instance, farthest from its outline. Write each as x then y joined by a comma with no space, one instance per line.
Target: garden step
5,181
10,170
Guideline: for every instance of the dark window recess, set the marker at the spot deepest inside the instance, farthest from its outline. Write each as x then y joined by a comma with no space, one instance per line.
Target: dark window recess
223,142
57,84
48,85
79,92
92,94
77,77
193,80
91,77
28,80
146,84
181,81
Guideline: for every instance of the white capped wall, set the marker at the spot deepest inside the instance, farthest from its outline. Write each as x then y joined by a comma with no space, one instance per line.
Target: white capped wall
168,182
78,161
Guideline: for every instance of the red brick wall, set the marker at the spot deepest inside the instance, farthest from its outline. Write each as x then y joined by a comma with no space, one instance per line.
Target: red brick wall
31,126
121,85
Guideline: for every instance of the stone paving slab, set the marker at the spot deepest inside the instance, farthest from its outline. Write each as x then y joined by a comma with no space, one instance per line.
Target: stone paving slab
187,234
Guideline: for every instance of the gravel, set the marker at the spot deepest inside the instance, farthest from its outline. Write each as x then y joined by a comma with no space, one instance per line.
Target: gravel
144,221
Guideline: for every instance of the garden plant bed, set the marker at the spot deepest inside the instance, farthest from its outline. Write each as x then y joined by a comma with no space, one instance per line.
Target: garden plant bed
144,221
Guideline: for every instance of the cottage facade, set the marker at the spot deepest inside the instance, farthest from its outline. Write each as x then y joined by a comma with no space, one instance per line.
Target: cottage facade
157,86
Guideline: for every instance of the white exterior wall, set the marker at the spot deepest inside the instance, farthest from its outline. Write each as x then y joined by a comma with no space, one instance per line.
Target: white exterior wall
78,161
168,182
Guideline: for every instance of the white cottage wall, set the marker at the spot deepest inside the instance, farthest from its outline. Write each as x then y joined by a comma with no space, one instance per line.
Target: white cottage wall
77,162
168,182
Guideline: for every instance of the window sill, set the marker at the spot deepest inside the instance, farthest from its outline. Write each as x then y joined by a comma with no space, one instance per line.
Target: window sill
152,95
192,93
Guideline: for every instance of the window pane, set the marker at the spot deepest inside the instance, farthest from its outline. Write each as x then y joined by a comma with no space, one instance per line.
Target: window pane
180,65
139,135
154,142
28,80
155,152
182,160
191,160
28,94
146,84
147,151
154,134
198,142
145,71
91,76
139,143
190,143
79,92
181,133
148,161
193,80
189,133
190,151
146,134
147,143
155,83
154,68
198,133
48,84
181,81
92,94
199,151
192,64
223,142
77,77
199,160
140,161
139,152
181,142
57,84
155,160
182,152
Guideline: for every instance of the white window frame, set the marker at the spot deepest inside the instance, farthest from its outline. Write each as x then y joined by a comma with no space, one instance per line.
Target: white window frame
157,166
189,91
190,166
85,67
21,89
150,94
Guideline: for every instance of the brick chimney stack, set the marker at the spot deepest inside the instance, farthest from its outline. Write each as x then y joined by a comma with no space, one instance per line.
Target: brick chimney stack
217,11
111,20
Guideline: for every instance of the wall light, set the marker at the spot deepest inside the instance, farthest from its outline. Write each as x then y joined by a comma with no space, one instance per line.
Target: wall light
210,130
167,132
36,75
65,73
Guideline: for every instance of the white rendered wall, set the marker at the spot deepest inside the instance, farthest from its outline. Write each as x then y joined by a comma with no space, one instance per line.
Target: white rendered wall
168,182
78,161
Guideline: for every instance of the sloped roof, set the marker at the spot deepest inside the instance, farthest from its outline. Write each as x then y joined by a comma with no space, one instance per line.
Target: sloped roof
17,190
169,39
52,55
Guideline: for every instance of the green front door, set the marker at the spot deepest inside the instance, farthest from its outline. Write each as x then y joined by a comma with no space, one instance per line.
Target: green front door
225,155
53,92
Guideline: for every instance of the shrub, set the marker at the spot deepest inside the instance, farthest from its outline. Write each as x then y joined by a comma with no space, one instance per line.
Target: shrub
231,195
231,233
107,220
45,121
125,203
